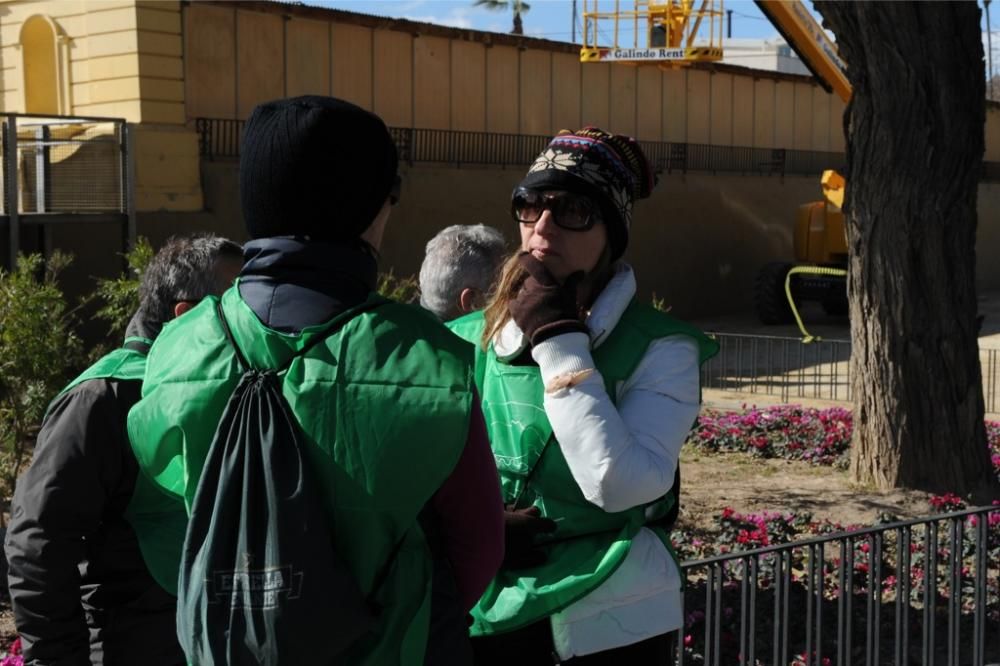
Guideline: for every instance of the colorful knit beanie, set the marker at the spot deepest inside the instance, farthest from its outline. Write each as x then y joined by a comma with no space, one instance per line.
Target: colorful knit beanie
611,169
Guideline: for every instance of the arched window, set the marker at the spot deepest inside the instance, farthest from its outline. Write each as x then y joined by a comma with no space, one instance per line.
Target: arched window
43,58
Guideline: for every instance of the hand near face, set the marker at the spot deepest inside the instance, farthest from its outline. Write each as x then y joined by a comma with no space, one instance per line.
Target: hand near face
544,307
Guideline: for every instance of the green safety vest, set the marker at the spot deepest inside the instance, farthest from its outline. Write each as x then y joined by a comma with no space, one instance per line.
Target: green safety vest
384,406
155,517
590,543
125,363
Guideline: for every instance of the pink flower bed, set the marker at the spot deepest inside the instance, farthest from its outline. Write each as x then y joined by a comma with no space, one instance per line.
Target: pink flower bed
819,436
13,656
793,432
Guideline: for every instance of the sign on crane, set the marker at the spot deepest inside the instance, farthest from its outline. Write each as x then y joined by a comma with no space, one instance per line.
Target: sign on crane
670,32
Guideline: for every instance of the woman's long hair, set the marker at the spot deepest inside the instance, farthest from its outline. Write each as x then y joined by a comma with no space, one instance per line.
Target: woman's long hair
496,313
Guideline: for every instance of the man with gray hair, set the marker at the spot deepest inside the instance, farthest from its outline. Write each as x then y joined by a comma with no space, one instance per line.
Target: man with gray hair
459,267
80,581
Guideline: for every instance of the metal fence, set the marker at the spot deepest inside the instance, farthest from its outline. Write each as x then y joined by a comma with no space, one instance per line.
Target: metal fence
779,366
924,591
820,370
63,170
220,138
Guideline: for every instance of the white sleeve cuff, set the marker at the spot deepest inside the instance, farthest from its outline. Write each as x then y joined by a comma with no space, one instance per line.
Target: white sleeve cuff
566,354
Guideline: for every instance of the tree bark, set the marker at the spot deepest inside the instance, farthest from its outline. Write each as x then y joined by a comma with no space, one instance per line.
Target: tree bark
914,132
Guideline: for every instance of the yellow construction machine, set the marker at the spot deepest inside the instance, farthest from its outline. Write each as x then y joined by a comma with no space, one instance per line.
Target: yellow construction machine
673,33
819,271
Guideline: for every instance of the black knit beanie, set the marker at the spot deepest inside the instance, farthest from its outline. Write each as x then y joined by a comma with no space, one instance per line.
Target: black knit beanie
314,166
611,169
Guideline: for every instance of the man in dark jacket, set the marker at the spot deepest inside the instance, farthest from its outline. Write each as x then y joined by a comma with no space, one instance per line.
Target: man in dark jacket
81,591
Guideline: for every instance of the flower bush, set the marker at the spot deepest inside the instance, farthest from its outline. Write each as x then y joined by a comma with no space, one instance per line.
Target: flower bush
13,655
819,436
793,432
993,441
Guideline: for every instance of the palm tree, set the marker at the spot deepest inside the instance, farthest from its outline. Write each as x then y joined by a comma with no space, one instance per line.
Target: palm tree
518,6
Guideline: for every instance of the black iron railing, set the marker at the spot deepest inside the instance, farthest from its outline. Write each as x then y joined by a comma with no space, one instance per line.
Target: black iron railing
924,591
789,369
780,366
220,138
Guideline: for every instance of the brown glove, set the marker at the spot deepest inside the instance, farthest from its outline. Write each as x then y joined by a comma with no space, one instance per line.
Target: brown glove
521,526
543,308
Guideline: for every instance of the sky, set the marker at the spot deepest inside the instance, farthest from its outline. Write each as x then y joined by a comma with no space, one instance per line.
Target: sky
552,19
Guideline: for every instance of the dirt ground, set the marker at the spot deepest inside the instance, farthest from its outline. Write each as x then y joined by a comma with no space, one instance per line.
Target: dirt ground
7,631
713,482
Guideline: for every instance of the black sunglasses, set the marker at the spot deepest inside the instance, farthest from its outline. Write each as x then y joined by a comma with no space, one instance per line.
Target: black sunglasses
573,212
397,185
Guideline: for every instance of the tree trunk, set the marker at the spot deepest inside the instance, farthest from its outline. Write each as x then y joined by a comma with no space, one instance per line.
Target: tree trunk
914,147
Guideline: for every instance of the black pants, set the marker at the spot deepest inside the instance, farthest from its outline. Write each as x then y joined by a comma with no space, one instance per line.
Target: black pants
532,646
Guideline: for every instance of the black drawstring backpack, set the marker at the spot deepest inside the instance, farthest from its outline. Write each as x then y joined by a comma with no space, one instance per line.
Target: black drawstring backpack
261,582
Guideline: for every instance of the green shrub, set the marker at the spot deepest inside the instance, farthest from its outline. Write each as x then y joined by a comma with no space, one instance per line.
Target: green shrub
39,352
120,295
403,290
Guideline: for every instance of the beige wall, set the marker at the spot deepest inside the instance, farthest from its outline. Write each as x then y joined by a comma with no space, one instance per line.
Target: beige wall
351,69
432,83
236,57
649,102
698,242
699,106
120,59
468,108
308,58
992,153
567,88
743,121
123,58
674,105
723,111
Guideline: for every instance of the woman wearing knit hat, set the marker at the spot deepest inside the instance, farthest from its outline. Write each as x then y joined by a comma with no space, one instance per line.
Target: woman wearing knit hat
588,395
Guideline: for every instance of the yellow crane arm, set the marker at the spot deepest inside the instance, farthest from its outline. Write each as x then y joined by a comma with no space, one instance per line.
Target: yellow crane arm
810,42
